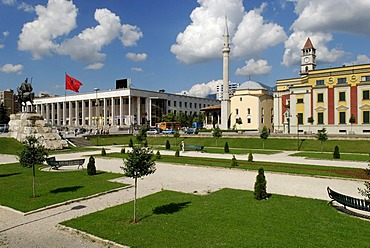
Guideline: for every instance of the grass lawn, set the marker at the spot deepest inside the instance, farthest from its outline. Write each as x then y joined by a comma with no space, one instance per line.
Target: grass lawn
348,146
227,218
302,169
343,156
51,187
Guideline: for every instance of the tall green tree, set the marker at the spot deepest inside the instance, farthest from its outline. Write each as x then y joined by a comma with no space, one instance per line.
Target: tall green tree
138,164
32,153
264,135
141,135
260,186
216,133
4,118
322,136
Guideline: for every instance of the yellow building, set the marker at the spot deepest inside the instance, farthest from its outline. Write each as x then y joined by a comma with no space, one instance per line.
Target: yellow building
251,107
334,98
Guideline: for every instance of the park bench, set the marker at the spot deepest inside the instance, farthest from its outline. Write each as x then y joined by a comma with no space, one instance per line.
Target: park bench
188,147
55,164
349,201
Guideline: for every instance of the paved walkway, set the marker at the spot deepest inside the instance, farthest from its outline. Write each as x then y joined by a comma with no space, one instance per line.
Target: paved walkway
39,230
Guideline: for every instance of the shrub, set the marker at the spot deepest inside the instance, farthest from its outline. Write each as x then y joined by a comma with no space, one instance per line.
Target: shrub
260,192
145,143
336,153
177,153
226,147
103,152
130,143
168,146
234,162
123,150
91,169
250,157
158,155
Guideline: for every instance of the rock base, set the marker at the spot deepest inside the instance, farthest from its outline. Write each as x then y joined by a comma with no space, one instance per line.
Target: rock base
22,125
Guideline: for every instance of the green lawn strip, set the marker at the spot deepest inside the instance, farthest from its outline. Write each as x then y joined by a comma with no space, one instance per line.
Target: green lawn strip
10,146
343,156
239,151
73,150
301,169
348,146
226,218
51,186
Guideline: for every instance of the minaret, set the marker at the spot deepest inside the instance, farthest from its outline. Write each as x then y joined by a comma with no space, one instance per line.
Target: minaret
225,102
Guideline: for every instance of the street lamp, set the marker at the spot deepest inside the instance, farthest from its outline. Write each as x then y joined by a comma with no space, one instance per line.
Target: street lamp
297,132
96,113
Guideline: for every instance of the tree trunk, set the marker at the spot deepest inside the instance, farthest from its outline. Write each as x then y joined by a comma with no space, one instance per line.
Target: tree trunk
33,182
135,200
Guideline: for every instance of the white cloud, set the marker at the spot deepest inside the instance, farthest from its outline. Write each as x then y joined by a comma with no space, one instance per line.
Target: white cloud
6,34
361,59
1,46
56,19
203,89
136,57
137,69
130,35
95,66
254,34
349,16
9,2
249,32
9,68
26,7
254,68
88,44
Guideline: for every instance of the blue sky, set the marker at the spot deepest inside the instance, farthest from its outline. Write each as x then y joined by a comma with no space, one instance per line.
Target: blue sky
173,44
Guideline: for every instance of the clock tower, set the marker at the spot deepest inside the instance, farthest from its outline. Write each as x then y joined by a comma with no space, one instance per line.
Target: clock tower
308,58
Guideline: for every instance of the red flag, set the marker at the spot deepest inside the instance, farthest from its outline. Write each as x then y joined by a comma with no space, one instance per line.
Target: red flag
72,83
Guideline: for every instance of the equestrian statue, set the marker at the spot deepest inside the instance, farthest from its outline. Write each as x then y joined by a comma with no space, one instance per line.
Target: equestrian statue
25,95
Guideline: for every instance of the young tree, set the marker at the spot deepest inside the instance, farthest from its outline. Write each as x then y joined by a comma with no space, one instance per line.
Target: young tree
176,135
91,169
260,192
32,153
139,163
158,155
103,152
168,146
311,121
226,148
131,143
352,120
264,135
322,136
336,153
4,118
250,157
234,162
141,136
217,133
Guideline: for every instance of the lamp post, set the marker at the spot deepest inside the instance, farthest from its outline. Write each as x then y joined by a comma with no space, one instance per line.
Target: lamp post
97,116
297,132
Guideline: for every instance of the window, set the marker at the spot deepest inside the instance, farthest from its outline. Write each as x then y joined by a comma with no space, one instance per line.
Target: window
299,100
320,118
342,117
365,78
180,103
342,80
191,105
365,95
249,111
320,97
174,103
249,120
366,117
342,96
320,82
241,99
186,104
300,118
169,103
195,105
237,111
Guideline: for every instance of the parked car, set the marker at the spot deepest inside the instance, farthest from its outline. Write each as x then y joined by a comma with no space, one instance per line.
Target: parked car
4,129
152,131
168,131
191,131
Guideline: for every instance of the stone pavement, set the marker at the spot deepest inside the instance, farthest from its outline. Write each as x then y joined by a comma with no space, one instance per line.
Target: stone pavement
39,229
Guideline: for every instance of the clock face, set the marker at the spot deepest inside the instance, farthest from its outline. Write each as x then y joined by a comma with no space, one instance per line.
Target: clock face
306,59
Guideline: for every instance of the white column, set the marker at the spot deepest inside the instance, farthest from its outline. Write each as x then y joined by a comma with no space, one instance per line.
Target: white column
52,114
112,111
105,111
64,113
83,113
90,113
138,116
70,112
48,114
58,114
77,114
150,111
121,123
129,111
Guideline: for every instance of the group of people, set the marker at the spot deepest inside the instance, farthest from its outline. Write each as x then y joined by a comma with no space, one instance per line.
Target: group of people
99,131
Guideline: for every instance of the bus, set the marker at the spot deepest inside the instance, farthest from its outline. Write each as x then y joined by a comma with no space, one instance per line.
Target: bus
168,125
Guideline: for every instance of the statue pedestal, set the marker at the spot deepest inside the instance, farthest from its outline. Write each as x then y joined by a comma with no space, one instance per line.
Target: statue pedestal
22,125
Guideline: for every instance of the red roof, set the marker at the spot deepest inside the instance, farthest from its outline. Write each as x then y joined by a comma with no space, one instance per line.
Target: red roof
308,44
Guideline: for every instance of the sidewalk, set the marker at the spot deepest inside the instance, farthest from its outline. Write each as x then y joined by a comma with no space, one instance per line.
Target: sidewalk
39,230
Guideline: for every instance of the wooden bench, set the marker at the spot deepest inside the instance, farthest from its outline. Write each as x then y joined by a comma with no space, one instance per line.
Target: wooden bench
349,201
188,147
54,164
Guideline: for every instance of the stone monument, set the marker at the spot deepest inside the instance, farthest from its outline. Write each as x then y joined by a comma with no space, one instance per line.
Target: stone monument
29,123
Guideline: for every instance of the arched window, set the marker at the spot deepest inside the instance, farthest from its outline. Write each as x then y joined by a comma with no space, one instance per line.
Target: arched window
236,111
248,111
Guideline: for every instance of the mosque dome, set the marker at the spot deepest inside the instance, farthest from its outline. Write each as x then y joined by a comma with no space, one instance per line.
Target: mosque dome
251,85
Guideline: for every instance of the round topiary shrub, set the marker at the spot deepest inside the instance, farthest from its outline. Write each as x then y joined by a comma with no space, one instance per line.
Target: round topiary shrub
91,169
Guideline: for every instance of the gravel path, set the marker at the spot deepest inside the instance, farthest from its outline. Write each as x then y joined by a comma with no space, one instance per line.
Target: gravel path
39,229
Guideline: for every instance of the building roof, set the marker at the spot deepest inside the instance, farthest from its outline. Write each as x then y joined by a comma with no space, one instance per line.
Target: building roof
251,85
308,44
